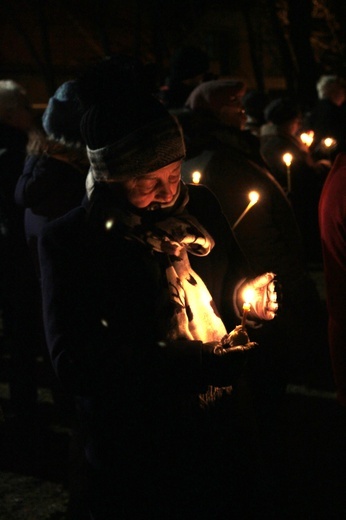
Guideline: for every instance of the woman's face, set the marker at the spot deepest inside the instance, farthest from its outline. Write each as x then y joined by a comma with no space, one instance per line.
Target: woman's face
160,186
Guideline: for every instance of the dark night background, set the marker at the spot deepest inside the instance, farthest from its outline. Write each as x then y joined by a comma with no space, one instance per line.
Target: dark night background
275,46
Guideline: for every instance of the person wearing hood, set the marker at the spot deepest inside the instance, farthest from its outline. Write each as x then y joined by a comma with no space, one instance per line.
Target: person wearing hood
141,287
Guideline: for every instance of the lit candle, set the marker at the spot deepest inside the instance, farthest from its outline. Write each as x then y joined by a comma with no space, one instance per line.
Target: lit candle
307,137
253,197
246,309
196,177
287,159
329,142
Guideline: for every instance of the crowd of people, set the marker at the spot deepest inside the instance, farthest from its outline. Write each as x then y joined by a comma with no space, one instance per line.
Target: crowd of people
169,319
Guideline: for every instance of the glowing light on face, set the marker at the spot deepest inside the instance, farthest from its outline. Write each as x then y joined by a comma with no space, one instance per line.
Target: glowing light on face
253,197
196,177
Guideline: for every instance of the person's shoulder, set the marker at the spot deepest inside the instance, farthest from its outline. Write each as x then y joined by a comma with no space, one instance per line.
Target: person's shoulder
202,197
68,227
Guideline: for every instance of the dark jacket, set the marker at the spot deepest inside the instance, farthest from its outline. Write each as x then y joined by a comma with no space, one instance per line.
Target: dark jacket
48,188
104,295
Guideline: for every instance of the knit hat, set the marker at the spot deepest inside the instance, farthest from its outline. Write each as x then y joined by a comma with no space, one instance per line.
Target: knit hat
128,132
211,96
281,110
63,113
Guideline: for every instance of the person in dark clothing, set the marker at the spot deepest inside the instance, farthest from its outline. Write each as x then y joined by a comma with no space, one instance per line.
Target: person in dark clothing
140,286
189,66
55,170
19,288
332,217
327,118
230,164
53,183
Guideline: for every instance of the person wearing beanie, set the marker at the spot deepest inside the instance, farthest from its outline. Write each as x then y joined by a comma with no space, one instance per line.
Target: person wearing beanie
141,285
304,179
51,184
56,166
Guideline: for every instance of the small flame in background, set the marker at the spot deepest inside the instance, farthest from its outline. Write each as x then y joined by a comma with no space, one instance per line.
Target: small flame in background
307,137
196,177
287,158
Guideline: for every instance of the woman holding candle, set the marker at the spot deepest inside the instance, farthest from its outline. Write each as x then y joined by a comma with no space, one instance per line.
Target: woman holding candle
139,291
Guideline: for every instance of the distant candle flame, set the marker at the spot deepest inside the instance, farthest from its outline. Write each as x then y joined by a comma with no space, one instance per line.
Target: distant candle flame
287,158
307,137
109,223
329,142
196,177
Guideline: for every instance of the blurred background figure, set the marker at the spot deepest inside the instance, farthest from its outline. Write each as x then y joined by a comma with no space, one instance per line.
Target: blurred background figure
188,68
303,178
52,184
228,159
19,288
53,180
254,102
332,218
327,118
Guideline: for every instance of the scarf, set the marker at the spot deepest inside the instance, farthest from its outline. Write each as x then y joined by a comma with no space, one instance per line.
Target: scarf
174,233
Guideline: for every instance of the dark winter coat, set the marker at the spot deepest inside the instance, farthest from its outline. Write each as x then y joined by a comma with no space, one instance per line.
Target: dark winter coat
105,301
48,188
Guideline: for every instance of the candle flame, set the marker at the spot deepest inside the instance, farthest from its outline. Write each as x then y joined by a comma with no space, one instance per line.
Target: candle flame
253,196
109,223
307,137
287,158
248,297
196,177
329,142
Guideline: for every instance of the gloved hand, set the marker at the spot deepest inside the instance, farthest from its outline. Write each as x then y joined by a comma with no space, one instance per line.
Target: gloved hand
222,364
261,293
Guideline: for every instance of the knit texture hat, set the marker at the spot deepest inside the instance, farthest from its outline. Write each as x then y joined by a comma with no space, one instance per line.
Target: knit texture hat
63,113
281,110
130,134
212,95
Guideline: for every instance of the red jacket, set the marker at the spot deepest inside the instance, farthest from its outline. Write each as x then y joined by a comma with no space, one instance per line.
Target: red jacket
332,220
